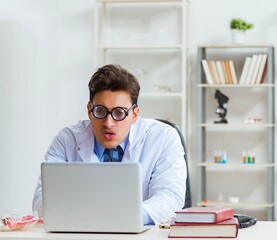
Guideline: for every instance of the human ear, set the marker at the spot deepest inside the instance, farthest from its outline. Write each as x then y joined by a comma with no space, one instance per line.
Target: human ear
135,114
89,109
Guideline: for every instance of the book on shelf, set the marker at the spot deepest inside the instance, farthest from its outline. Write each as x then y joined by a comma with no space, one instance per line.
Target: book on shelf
207,71
225,229
233,72
224,72
262,70
220,72
245,70
256,69
228,72
214,72
250,72
204,214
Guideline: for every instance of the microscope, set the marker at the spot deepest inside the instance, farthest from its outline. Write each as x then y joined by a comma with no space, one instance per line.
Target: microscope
221,110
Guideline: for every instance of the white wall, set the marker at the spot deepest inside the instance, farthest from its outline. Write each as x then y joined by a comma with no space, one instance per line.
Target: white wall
45,64
46,60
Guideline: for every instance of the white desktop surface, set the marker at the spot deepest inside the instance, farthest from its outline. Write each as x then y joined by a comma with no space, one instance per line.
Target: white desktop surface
264,230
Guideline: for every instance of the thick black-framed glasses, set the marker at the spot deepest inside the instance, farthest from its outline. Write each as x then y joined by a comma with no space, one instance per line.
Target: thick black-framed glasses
117,113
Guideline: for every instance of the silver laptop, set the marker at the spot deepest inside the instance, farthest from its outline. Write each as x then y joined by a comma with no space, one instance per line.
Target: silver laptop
92,197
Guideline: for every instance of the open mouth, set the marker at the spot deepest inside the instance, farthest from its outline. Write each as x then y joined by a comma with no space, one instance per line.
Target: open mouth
109,135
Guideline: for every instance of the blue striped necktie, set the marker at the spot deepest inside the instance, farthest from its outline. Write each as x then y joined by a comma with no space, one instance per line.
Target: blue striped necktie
113,154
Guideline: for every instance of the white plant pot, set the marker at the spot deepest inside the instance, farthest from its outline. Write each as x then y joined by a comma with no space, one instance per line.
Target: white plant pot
238,36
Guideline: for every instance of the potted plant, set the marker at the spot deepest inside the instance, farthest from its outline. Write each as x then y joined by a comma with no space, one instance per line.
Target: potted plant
239,28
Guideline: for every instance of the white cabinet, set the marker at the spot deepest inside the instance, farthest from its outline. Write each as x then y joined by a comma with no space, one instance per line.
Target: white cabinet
148,37
246,186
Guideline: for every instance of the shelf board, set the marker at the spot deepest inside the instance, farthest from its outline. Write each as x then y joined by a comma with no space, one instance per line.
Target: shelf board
240,165
236,46
140,1
239,204
146,47
263,85
235,126
161,95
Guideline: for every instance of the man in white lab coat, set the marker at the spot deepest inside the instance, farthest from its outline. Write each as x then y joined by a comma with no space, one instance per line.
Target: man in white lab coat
114,121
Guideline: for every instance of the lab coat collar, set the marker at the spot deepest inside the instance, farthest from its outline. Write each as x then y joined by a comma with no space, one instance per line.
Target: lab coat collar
137,133
85,145
136,137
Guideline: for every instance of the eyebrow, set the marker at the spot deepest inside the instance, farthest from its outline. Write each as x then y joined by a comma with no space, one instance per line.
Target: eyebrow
125,108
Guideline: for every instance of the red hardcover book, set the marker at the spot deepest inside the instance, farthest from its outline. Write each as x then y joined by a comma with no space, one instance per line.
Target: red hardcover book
204,214
225,229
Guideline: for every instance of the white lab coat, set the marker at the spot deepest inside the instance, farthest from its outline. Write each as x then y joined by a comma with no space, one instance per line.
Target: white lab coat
155,145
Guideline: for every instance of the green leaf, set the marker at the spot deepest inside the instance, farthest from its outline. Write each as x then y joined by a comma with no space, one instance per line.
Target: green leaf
239,24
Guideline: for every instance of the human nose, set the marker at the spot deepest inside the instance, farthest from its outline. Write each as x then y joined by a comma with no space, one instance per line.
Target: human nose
108,120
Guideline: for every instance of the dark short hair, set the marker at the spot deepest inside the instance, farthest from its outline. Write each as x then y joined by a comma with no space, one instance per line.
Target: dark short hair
113,77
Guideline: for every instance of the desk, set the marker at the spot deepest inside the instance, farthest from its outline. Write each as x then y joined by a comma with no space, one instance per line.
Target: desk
260,231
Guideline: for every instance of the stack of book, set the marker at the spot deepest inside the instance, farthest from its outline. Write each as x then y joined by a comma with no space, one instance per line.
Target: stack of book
220,72
206,222
224,71
253,71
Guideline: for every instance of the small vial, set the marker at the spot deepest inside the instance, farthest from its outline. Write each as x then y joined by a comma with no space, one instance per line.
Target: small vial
216,156
244,157
223,157
249,160
253,157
